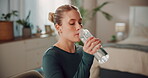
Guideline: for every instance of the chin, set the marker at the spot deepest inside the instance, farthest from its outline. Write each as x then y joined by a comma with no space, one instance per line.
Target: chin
78,40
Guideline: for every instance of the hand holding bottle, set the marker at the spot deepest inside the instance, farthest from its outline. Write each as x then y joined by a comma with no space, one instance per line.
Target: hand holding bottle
91,45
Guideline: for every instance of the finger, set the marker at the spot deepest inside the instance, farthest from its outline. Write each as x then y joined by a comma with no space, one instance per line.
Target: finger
85,47
95,49
97,39
94,44
90,41
94,41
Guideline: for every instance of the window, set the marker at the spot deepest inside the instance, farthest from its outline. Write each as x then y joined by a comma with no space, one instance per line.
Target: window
40,9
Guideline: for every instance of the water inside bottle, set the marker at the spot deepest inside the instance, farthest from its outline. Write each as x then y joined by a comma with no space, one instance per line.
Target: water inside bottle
101,55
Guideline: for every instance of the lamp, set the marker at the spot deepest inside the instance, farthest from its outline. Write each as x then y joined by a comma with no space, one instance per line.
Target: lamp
120,28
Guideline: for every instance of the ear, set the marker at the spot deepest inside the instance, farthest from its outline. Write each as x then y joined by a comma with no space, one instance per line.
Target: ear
58,28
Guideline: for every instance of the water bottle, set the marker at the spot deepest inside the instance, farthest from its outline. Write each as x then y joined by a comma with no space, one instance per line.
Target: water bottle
101,55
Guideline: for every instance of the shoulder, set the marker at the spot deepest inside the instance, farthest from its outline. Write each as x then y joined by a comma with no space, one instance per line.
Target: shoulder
50,51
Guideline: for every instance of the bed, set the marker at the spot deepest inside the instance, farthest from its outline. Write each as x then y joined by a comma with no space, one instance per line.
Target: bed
128,58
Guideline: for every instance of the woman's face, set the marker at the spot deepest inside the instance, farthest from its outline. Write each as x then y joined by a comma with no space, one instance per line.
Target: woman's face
71,24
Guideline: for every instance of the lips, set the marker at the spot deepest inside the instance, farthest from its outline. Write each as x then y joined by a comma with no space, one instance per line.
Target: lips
77,34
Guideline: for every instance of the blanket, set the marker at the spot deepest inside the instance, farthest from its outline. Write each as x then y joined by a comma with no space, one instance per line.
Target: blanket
142,48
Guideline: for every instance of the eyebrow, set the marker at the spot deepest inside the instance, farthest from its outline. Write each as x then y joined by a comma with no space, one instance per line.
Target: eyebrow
75,19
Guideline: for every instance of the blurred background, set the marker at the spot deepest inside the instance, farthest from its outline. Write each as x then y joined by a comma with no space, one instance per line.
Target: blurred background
97,23
22,49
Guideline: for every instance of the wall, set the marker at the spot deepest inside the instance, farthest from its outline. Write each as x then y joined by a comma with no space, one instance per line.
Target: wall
90,23
3,6
119,9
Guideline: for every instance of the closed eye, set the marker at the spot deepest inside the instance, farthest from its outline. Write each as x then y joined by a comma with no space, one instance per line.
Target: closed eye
72,23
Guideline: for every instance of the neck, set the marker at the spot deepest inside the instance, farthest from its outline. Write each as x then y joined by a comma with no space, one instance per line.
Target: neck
66,45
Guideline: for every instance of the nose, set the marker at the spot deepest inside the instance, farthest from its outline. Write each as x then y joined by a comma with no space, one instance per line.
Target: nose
78,27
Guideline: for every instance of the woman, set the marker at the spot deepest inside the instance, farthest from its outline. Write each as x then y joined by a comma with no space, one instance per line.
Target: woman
64,59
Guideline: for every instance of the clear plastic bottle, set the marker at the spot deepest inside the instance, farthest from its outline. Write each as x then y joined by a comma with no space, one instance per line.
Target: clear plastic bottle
101,55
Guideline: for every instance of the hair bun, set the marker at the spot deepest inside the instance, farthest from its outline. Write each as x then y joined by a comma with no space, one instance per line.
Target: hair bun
51,17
